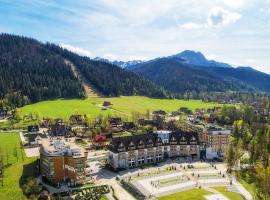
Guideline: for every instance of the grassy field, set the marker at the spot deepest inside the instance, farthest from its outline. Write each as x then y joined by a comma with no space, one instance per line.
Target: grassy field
14,176
16,172
9,143
194,194
121,105
229,195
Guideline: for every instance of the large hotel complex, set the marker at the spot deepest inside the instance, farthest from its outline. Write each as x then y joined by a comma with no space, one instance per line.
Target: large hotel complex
64,160
61,161
127,152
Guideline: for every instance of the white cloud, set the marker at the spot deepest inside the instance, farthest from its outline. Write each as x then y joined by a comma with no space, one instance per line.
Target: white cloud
77,50
192,25
234,3
219,16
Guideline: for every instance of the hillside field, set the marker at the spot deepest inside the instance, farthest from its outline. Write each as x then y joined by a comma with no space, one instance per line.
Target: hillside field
123,105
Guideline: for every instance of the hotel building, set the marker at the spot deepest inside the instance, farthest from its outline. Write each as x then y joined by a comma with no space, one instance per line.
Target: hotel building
131,151
62,161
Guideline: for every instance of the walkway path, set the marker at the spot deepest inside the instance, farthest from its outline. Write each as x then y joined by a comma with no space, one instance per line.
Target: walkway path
108,178
242,190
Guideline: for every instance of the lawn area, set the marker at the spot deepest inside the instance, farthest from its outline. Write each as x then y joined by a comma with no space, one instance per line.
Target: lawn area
10,142
5,124
103,197
14,176
171,181
16,172
249,187
125,104
194,194
229,195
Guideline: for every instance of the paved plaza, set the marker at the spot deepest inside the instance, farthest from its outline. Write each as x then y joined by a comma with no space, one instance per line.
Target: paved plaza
172,178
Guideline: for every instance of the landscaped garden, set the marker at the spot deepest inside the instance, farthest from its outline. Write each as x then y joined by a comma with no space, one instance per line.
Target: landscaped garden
194,194
228,194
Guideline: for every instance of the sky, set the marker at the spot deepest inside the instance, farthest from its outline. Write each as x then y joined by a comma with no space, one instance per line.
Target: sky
232,31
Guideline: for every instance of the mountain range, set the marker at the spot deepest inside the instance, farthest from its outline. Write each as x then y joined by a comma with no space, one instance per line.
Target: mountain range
32,71
191,71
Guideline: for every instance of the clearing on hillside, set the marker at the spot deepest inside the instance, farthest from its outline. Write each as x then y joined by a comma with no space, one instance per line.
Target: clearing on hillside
90,92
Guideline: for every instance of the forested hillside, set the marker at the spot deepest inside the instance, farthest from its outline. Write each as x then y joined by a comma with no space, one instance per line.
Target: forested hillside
30,73
179,77
109,79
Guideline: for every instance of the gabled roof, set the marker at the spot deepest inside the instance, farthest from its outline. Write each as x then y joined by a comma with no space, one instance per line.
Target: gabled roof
122,144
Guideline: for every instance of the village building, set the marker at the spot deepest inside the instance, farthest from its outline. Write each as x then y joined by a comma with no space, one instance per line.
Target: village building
62,161
216,140
131,151
60,129
115,121
128,125
32,135
107,103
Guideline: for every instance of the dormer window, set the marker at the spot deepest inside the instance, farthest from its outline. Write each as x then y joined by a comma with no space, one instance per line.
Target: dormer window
141,144
159,143
193,140
173,140
131,146
183,140
150,143
121,147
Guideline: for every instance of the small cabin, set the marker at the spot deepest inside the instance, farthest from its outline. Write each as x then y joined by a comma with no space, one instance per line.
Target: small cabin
107,103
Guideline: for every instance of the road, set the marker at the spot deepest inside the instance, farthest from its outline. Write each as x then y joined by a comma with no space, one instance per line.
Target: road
107,177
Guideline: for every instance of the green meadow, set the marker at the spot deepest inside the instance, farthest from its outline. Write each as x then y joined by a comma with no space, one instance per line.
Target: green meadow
123,105
10,148
15,172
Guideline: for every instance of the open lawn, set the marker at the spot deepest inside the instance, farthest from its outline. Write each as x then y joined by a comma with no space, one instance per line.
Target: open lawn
228,194
16,172
14,176
123,105
194,194
171,181
9,147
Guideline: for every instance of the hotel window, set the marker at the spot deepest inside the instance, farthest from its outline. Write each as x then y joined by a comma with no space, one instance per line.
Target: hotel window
141,160
131,162
158,157
150,159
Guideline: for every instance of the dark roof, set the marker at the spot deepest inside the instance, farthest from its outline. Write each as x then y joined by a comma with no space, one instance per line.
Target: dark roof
122,144
159,112
115,120
34,128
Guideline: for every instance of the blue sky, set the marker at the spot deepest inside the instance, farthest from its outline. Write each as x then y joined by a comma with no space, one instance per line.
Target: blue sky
233,31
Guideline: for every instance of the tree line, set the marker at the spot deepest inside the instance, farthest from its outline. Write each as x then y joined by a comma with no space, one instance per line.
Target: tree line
248,154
